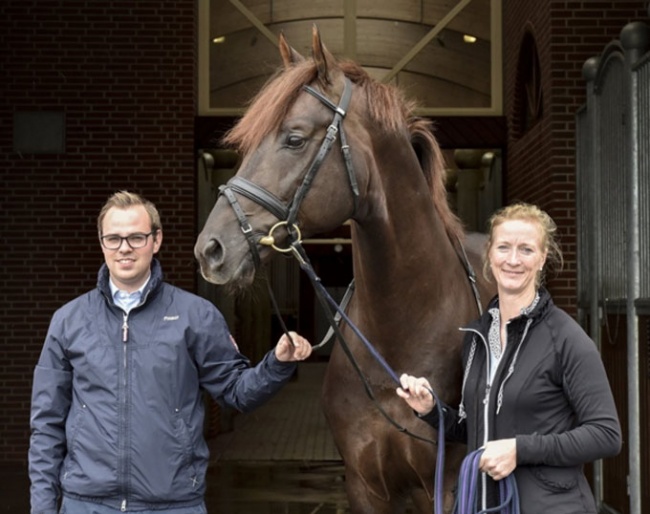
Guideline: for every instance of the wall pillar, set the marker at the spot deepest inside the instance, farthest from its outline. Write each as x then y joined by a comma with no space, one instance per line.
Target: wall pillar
468,186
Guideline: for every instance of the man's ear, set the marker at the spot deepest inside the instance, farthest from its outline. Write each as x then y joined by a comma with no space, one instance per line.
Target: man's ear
157,240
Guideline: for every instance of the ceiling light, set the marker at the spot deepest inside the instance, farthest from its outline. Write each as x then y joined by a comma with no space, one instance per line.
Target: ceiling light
218,40
469,39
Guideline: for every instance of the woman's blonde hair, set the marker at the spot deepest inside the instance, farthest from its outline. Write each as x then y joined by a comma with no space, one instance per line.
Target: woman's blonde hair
533,214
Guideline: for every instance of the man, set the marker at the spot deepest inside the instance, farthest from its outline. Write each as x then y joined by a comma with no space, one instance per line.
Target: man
117,409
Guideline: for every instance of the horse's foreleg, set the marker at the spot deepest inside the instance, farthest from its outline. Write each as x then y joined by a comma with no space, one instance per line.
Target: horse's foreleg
367,494
454,454
422,469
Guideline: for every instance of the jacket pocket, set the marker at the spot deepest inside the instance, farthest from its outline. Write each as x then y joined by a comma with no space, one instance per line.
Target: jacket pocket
186,447
556,479
560,490
73,430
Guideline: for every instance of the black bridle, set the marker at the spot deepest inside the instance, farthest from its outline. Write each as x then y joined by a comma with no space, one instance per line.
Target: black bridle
288,214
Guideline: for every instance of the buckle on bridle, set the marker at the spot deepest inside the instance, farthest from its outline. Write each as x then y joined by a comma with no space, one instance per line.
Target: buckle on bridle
269,240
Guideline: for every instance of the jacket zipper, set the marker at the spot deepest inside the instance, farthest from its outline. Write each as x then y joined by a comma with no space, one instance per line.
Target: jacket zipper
125,328
125,338
511,369
486,408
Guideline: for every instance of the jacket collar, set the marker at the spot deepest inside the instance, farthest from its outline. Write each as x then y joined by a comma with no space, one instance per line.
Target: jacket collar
153,285
545,302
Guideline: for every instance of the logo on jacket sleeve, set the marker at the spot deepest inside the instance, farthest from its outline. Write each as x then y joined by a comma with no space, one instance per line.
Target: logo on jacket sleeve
171,318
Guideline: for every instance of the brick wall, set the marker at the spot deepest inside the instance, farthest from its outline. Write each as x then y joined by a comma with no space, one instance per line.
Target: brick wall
541,163
123,74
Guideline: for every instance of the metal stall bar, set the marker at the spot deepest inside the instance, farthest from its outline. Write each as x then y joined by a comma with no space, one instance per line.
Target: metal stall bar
593,187
642,72
611,152
584,212
589,175
607,105
634,38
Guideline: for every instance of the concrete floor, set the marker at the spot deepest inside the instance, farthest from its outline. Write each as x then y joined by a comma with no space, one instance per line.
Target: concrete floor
280,458
290,427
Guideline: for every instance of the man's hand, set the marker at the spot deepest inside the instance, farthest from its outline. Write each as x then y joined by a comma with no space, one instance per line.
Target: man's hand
288,351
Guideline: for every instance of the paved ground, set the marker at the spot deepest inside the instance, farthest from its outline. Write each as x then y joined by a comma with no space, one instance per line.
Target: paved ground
291,427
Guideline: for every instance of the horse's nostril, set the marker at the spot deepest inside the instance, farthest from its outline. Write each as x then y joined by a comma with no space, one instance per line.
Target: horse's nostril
211,252
214,250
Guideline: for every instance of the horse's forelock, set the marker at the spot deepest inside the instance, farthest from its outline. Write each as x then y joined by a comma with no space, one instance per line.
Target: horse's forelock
270,106
386,105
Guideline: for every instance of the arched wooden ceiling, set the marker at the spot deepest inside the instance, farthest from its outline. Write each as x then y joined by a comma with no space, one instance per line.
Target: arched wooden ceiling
379,34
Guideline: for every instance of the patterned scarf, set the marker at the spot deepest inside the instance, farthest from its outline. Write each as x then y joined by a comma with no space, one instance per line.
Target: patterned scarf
494,334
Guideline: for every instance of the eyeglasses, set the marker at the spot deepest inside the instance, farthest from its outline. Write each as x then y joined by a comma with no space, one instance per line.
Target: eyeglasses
113,241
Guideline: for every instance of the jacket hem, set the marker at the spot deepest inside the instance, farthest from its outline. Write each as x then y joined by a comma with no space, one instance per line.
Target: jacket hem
115,502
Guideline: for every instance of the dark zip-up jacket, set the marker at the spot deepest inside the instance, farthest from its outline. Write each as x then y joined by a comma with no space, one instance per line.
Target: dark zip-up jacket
117,408
551,393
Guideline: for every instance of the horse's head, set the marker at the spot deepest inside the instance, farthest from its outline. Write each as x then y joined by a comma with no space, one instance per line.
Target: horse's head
322,142
293,170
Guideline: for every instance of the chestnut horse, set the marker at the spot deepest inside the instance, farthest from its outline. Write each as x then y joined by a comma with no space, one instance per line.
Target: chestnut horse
412,290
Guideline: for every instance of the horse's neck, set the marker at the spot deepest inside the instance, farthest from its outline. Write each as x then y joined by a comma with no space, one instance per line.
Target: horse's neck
402,252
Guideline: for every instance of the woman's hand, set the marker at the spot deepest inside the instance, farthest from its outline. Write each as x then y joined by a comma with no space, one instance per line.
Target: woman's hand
416,393
499,458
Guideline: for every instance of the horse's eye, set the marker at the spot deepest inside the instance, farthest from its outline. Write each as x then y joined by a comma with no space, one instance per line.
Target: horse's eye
295,141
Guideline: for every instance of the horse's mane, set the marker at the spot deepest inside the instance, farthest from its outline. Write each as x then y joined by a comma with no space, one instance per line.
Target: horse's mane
386,105
433,166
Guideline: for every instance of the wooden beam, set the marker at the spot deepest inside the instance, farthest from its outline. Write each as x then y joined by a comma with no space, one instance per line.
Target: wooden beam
425,40
255,21
350,29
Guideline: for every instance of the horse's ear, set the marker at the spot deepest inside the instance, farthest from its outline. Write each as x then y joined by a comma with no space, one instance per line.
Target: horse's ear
289,55
322,57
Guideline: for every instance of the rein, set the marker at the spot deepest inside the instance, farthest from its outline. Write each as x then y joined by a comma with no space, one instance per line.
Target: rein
467,498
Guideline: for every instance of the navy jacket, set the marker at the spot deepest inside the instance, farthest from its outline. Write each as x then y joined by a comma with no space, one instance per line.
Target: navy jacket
117,408
551,393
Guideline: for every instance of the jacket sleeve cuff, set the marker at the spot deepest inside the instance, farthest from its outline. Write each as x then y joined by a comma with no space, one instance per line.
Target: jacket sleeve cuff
525,453
52,510
283,368
433,417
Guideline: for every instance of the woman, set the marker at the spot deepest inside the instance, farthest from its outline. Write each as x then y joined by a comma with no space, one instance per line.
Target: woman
535,394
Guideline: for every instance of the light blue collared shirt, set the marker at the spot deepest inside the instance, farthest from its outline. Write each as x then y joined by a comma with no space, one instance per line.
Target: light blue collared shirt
125,300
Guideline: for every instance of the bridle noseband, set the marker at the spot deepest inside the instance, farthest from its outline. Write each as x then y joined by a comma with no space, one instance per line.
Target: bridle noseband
288,214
